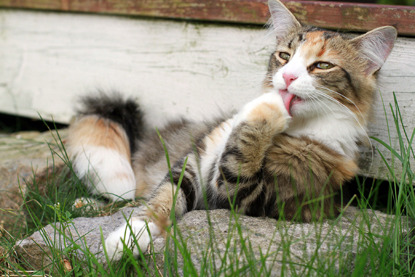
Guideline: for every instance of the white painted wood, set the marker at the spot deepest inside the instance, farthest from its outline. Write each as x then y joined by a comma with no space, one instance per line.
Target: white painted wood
174,68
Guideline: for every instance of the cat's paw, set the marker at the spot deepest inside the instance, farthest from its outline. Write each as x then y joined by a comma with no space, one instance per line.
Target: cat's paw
269,109
143,233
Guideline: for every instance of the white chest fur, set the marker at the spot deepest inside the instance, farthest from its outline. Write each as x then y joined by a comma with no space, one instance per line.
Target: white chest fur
337,131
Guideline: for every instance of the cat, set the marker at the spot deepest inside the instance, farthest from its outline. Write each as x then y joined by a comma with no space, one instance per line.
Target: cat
295,144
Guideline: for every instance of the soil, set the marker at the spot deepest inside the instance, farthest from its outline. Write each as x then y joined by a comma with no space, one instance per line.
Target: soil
22,156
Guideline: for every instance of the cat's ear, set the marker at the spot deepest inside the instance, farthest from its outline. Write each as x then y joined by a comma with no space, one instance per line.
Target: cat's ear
282,20
375,46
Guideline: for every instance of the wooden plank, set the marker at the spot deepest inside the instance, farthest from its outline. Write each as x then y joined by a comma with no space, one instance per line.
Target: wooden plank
47,60
326,14
354,17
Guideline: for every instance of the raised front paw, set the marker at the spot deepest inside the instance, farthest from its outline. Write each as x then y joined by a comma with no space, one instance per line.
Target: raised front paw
269,109
135,235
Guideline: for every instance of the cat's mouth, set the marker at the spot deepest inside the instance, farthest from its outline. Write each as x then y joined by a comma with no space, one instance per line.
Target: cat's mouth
289,100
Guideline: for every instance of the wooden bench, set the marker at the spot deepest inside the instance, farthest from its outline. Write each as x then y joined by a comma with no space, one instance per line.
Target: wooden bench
179,58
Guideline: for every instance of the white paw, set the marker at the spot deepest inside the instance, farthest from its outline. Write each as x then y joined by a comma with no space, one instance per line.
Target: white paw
268,100
139,229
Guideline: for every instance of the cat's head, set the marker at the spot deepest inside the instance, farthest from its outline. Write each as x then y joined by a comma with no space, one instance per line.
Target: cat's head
318,72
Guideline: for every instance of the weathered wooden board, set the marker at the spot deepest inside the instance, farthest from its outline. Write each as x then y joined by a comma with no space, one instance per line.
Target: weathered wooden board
174,68
327,14
48,59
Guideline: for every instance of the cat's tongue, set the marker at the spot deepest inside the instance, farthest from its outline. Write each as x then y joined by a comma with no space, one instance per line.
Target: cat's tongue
289,99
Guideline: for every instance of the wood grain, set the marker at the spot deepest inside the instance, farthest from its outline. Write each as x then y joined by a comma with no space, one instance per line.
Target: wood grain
47,60
326,14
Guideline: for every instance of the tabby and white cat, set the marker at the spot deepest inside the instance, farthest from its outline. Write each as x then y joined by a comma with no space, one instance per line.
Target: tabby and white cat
298,141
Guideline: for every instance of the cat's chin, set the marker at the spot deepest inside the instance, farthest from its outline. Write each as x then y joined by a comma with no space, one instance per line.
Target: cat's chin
304,111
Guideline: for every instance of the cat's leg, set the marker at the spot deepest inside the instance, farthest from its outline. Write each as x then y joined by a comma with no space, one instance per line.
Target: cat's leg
154,216
100,155
101,142
254,127
240,173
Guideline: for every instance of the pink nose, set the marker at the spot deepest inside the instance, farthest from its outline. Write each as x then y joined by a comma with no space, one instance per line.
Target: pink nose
289,78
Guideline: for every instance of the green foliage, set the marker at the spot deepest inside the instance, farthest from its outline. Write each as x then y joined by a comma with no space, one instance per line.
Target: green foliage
397,2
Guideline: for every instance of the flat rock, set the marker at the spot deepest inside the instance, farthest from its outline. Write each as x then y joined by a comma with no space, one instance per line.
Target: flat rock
276,246
280,247
37,249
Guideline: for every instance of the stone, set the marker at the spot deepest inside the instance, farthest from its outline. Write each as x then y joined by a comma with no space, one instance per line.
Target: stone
208,235
83,231
290,244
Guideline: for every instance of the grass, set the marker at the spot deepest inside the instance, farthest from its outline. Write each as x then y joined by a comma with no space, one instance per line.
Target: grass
389,251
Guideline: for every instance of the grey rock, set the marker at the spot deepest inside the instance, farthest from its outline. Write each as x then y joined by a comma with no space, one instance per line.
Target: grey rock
288,245
264,244
85,232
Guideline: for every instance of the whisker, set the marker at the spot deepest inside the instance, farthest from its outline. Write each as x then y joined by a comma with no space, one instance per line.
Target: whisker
344,97
344,107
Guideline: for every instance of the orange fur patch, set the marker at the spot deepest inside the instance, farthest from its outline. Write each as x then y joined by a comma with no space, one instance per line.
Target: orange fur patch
314,45
322,51
315,48
95,131
313,38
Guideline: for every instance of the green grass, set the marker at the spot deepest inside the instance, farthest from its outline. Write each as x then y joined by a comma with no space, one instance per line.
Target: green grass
49,199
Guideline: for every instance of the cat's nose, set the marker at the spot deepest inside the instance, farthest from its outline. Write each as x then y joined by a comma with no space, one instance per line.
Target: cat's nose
289,78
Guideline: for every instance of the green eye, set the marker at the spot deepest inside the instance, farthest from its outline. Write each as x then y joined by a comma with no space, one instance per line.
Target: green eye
324,65
285,56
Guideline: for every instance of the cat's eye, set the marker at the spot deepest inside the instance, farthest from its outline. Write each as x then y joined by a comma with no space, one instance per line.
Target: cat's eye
323,65
285,56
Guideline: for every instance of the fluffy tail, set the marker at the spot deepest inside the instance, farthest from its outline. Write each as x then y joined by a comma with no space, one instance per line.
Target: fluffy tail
101,142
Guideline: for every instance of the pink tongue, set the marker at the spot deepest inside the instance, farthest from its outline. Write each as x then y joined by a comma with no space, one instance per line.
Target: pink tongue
288,100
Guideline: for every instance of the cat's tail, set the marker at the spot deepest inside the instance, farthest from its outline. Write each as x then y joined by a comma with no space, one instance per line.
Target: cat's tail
101,141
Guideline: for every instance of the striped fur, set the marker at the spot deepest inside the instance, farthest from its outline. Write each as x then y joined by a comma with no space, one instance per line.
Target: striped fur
283,155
